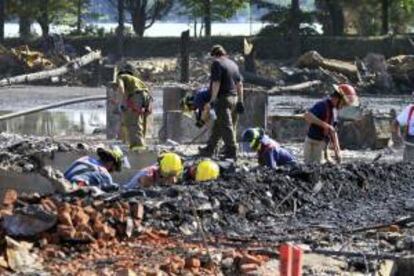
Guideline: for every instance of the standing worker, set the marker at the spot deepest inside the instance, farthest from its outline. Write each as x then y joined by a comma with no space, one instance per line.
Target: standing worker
269,152
226,88
404,128
321,118
136,106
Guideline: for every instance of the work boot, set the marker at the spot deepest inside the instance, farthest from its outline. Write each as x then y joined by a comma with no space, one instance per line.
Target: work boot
205,152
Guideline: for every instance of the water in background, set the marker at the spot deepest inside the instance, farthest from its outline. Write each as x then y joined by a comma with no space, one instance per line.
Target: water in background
156,30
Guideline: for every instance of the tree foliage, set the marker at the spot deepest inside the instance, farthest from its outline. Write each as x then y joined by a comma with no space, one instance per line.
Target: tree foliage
144,13
209,11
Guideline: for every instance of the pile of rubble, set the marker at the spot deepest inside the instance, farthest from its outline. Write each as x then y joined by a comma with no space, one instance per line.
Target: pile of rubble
245,206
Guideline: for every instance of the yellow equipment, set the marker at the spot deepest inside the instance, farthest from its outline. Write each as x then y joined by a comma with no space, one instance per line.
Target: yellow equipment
170,164
207,170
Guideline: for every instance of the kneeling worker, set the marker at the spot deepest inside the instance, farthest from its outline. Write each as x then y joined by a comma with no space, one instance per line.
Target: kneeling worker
404,128
321,119
168,169
270,153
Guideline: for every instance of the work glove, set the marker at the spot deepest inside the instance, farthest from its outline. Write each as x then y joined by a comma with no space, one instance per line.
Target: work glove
200,123
240,108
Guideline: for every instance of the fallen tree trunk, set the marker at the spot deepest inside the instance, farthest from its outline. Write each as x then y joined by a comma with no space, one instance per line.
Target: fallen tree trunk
301,87
313,59
51,106
252,78
69,67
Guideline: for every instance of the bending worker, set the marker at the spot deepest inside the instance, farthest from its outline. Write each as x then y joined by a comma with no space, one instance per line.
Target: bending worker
204,170
321,118
137,105
404,128
167,171
227,99
88,172
269,152
199,104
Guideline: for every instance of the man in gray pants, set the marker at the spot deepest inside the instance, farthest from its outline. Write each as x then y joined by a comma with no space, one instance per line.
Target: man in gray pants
226,88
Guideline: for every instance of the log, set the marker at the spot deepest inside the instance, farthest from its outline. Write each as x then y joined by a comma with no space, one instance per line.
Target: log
300,87
71,66
313,59
252,78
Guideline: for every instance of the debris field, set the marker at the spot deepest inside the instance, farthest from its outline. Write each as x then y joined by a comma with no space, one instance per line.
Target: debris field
244,212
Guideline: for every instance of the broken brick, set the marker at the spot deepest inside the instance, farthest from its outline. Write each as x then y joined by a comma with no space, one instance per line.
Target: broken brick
192,262
10,197
137,210
65,218
125,272
246,268
49,205
80,217
66,231
250,259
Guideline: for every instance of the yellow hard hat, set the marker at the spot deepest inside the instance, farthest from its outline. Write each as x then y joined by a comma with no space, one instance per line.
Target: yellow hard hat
207,170
170,164
114,153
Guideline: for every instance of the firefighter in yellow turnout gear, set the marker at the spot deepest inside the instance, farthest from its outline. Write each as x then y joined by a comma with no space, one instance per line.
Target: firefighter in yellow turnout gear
136,106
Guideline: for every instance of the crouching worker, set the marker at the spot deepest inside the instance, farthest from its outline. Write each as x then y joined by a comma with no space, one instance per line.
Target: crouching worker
199,104
167,171
269,152
87,172
403,126
205,170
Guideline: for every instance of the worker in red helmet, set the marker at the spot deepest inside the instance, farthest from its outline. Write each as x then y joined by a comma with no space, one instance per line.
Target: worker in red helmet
321,119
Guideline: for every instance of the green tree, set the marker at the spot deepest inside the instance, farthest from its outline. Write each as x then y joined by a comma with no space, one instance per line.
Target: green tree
210,10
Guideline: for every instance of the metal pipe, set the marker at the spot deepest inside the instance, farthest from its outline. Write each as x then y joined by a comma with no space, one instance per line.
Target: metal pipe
51,106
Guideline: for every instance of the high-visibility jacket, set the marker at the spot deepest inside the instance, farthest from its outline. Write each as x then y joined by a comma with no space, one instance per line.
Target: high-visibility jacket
132,84
87,171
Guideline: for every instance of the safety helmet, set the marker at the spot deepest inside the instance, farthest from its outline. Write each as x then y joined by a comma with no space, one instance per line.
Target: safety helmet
348,94
127,68
170,164
207,170
114,154
252,136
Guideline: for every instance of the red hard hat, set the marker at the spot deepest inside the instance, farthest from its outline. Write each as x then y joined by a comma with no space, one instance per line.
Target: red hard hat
348,92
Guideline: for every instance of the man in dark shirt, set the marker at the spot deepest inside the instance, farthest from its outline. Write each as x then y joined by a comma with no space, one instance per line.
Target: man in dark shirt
227,99
321,118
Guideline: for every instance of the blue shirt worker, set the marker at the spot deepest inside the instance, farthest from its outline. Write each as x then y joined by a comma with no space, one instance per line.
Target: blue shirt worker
321,119
269,152
198,103
88,171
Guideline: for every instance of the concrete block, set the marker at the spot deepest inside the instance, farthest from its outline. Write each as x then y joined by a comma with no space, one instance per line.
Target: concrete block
256,107
287,128
113,115
181,128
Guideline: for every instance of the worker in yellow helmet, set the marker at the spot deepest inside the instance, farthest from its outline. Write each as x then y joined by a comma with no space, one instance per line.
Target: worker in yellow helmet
168,169
136,106
205,170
